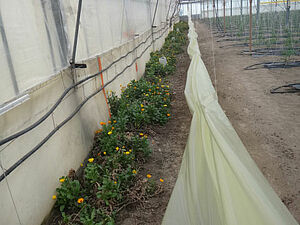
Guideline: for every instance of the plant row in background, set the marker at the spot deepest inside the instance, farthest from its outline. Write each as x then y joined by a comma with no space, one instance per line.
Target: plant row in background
110,180
269,30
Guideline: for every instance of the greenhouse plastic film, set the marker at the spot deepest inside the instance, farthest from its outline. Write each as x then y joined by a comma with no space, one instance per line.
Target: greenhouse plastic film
218,182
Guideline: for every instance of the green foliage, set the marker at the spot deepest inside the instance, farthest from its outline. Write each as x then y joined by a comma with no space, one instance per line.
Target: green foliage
119,146
68,193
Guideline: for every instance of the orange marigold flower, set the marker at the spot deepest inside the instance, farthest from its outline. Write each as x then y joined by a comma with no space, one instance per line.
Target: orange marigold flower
149,176
143,109
161,180
62,180
112,128
80,200
109,122
168,114
102,123
134,171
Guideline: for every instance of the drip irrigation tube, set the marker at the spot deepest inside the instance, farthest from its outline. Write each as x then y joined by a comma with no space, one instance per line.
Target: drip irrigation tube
43,118
273,65
291,88
270,51
26,156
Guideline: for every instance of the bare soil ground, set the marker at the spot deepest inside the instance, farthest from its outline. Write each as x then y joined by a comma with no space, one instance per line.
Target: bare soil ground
268,124
168,144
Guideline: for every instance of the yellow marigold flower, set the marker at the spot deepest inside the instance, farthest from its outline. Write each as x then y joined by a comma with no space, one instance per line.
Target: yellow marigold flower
165,105
165,99
157,87
141,134
53,197
159,80
146,95
142,105
81,164
62,180
130,150
109,132
91,160
117,148
145,136
109,122
149,176
143,109
80,200
123,146
127,153
134,171
104,153
115,182
161,180
167,86
102,123
115,121
168,114
162,86
127,96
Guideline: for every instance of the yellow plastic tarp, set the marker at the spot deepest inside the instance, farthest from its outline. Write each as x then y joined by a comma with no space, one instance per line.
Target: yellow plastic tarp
218,182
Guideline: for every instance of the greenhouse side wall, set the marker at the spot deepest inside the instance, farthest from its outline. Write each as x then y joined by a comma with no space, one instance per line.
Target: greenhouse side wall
27,192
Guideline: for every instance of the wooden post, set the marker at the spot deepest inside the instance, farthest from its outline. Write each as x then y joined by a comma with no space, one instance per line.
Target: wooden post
250,27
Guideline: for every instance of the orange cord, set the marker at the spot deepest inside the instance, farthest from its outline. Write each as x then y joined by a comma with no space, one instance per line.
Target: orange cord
100,68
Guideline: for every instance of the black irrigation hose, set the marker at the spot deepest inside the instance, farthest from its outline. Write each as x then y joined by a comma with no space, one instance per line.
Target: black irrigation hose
26,156
43,118
295,89
269,51
273,65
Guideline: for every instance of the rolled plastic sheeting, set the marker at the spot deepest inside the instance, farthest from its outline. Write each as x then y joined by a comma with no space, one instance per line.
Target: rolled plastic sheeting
218,182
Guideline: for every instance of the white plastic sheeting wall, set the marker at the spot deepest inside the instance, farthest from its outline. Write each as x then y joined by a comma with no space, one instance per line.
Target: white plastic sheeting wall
37,35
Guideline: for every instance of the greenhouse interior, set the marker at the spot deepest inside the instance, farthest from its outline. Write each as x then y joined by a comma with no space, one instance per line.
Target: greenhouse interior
133,112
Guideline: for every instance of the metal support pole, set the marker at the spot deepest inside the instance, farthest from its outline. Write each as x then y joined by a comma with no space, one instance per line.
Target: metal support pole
207,9
257,11
287,13
224,20
72,62
250,27
8,57
214,10
152,25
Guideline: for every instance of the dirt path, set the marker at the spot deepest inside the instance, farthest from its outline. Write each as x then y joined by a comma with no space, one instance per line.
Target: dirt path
269,125
168,143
